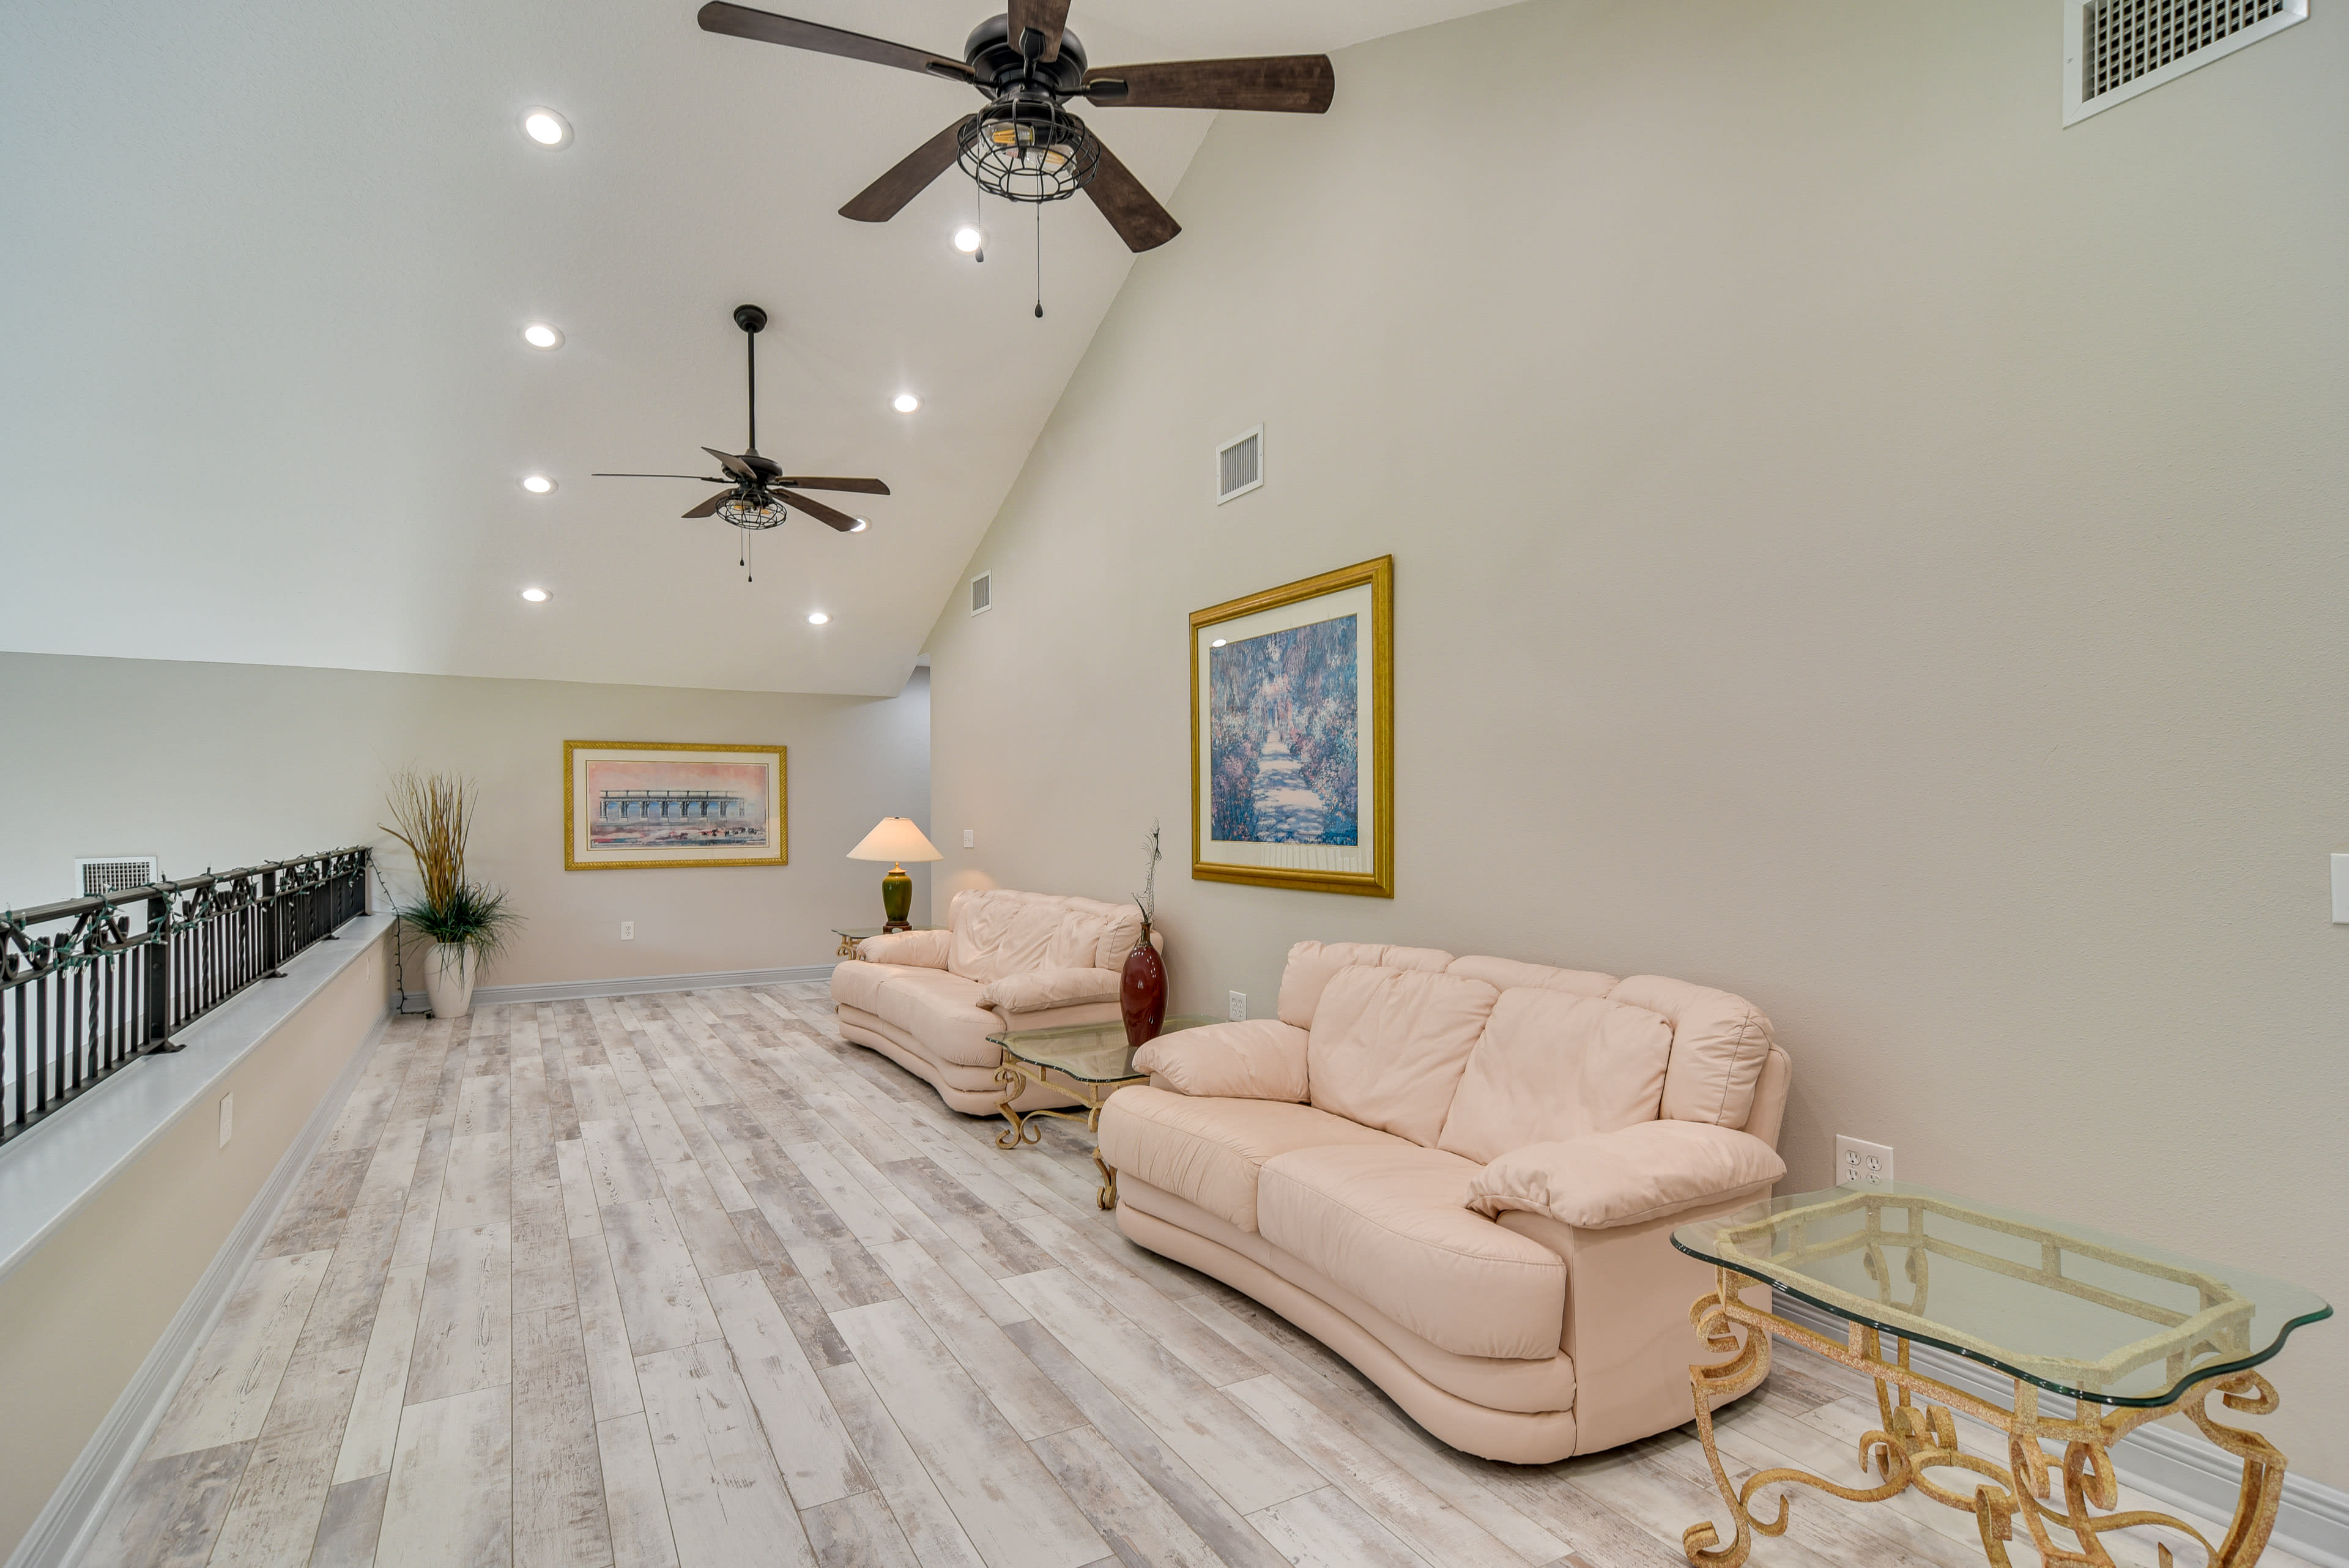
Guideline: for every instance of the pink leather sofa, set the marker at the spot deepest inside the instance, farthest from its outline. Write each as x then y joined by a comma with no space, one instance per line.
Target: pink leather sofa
928,1000
1459,1174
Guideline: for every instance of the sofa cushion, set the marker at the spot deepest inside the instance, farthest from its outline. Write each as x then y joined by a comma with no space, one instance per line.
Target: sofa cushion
1553,1066
1254,1059
1311,965
1388,1045
1507,974
1208,1150
999,931
1037,990
1719,1042
942,1012
1391,1224
858,983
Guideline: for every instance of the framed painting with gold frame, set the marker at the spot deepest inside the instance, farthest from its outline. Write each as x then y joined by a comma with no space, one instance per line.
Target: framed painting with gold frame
1292,735
673,803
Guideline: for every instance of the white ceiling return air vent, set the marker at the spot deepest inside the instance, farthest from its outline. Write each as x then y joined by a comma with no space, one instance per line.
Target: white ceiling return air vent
114,873
982,592
2116,50
1239,465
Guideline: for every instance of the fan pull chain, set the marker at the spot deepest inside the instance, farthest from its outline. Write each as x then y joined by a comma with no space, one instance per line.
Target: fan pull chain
978,210
1040,261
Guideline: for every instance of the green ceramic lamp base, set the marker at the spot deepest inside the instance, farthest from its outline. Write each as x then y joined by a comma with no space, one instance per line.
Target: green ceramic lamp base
897,900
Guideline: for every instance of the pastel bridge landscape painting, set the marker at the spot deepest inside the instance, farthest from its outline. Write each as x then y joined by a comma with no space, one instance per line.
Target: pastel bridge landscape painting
1285,736
645,805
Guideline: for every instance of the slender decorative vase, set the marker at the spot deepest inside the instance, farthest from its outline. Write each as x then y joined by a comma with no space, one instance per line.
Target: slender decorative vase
1142,991
449,972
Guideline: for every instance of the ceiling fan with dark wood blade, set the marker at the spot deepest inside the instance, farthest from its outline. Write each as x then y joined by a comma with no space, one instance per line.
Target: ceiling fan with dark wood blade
1024,145
759,495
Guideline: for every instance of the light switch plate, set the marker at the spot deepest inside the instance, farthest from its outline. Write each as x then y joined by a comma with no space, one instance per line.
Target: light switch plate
970,837
2341,890
627,930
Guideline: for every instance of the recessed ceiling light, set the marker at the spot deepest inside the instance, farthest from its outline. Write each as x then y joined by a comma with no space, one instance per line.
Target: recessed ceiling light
542,335
906,403
817,617
969,239
535,595
860,525
546,128
1217,643
538,484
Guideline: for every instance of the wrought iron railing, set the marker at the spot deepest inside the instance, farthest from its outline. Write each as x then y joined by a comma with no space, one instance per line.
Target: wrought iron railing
88,996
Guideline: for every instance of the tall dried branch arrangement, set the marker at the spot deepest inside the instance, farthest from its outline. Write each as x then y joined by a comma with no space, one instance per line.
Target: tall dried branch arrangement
433,818
1148,900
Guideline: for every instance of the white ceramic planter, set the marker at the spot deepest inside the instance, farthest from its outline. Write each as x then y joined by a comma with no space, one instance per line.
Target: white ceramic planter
449,972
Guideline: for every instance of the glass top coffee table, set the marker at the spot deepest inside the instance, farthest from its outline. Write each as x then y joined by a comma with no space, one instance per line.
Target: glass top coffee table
2129,1331
1090,1060
850,935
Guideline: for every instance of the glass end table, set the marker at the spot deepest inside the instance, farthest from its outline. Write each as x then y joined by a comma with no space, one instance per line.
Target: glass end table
2128,1331
850,935
1090,1060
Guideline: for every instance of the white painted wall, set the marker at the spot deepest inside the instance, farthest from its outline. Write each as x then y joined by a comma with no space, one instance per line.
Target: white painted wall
226,765
1857,543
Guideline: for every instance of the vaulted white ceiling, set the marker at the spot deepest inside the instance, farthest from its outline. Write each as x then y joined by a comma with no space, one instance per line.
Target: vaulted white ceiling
264,266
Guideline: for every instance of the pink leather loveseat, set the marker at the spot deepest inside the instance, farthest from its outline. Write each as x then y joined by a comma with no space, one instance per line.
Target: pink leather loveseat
928,1000
1459,1174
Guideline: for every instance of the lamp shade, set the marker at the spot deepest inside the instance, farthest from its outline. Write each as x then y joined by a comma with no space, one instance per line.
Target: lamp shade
895,839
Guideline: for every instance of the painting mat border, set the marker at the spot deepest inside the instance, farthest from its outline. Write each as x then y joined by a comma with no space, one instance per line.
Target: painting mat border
781,857
1378,882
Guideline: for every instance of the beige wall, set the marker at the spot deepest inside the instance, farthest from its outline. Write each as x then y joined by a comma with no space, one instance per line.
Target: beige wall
80,1315
225,764
1857,543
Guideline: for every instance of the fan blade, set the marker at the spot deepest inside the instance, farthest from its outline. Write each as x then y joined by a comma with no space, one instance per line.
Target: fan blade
1046,17
1282,84
731,464
822,513
862,486
887,197
709,506
766,28
1133,212
697,478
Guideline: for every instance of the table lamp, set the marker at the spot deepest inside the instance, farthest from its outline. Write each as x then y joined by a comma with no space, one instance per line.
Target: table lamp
896,840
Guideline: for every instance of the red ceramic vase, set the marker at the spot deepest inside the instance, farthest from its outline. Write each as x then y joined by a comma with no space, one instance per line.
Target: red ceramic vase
1142,991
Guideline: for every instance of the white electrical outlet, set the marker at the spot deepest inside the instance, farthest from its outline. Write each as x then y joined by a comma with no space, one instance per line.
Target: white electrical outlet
1239,1006
627,930
1857,1159
970,838
228,1118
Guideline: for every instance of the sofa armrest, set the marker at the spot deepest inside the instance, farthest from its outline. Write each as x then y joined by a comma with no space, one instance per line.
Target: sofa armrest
1628,1177
1260,1059
1041,989
919,950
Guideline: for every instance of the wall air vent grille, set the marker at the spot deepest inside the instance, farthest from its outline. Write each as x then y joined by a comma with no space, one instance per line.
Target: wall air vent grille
114,875
982,592
1239,465
2117,48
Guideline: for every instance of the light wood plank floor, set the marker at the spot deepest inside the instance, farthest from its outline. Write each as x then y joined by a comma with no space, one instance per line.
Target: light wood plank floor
679,1281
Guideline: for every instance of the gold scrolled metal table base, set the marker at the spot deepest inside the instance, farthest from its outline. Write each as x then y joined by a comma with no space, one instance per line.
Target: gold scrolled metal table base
1015,1073
1919,1439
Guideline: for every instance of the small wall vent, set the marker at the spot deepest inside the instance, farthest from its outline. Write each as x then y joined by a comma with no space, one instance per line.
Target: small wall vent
1239,465
2116,50
982,592
114,873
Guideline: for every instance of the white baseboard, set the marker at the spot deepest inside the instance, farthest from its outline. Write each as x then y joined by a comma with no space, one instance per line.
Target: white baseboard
639,985
2179,1468
76,1509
